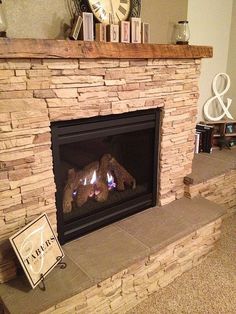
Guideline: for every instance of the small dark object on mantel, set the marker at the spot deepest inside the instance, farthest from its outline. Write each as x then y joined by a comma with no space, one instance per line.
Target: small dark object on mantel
181,42
3,34
223,142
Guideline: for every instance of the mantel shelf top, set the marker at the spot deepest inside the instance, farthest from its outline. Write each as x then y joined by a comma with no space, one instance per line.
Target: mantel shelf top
50,48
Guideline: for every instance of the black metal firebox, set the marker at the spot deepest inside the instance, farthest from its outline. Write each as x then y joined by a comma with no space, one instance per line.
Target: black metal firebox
105,169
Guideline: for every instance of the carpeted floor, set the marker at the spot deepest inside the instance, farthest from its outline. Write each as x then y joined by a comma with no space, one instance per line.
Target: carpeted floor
209,288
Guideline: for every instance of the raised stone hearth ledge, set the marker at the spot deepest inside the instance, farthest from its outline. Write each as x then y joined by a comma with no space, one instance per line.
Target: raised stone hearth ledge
47,48
113,269
213,177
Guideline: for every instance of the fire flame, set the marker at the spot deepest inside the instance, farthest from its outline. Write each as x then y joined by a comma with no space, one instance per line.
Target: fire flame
110,181
94,178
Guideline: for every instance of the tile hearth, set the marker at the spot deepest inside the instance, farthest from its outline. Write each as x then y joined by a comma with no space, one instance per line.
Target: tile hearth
114,268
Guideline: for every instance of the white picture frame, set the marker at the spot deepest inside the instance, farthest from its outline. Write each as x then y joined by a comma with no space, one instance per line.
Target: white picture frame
125,32
88,32
145,33
113,33
101,32
76,28
135,30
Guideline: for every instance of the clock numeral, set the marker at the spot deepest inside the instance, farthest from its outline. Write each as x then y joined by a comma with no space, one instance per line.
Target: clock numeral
104,14
122,10
96,6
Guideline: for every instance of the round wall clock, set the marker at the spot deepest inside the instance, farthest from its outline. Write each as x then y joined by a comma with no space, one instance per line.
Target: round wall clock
110,11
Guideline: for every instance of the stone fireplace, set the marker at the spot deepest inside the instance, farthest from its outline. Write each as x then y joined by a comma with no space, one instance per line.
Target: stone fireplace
41,86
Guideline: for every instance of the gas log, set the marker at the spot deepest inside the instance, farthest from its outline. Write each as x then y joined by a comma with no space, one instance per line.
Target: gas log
74,180
94,181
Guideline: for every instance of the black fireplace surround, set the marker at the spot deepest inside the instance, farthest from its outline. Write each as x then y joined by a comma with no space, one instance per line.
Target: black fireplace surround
105,169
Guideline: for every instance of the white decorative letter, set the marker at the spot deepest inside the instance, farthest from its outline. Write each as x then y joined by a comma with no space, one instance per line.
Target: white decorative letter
217,96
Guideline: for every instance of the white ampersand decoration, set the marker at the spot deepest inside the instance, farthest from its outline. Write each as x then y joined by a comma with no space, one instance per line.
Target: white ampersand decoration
217,96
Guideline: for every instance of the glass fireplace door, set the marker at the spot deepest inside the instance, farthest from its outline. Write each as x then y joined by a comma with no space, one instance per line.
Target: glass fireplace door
105,169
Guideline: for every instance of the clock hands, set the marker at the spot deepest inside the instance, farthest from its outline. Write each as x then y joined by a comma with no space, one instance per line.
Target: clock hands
112,15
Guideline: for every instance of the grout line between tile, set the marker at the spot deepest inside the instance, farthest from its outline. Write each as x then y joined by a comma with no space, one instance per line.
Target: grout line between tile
79,266
130,234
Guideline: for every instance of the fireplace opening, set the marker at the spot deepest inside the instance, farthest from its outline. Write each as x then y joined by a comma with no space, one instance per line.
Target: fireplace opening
105,169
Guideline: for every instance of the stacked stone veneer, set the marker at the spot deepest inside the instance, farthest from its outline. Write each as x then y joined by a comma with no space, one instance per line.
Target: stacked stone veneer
34,92
220,189
127,288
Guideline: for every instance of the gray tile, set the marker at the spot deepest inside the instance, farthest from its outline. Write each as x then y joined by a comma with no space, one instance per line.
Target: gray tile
61,284
154,228
207,166
225,155
159,227
105,252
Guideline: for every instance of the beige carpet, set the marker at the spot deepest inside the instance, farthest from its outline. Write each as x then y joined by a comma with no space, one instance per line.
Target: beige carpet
209,288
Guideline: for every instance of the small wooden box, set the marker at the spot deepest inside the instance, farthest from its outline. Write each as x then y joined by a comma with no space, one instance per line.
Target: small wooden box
145,33
113,33
135,30
101,32
125,32
88,34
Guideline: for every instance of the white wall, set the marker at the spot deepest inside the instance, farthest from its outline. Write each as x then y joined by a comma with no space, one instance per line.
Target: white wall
45,18
231,66
36,18
210,24
163,15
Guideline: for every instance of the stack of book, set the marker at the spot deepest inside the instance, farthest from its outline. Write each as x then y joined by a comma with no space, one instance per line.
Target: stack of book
203,138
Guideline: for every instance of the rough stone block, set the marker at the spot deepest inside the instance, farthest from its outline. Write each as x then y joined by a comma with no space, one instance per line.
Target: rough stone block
61,64
66,93
44,93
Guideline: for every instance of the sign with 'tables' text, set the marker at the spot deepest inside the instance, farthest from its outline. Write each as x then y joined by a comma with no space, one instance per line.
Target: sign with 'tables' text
37,249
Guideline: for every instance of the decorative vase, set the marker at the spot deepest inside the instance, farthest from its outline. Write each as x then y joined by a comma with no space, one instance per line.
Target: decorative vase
3,25
182,34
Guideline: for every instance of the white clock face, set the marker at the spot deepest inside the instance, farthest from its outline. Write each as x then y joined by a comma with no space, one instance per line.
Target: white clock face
110,11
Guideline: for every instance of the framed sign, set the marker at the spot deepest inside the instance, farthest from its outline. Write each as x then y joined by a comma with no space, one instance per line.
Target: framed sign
37,249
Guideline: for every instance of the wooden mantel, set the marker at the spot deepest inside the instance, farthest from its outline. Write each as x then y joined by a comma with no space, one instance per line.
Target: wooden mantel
49,48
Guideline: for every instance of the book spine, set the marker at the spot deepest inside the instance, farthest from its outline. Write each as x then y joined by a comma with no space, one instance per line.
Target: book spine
197,143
